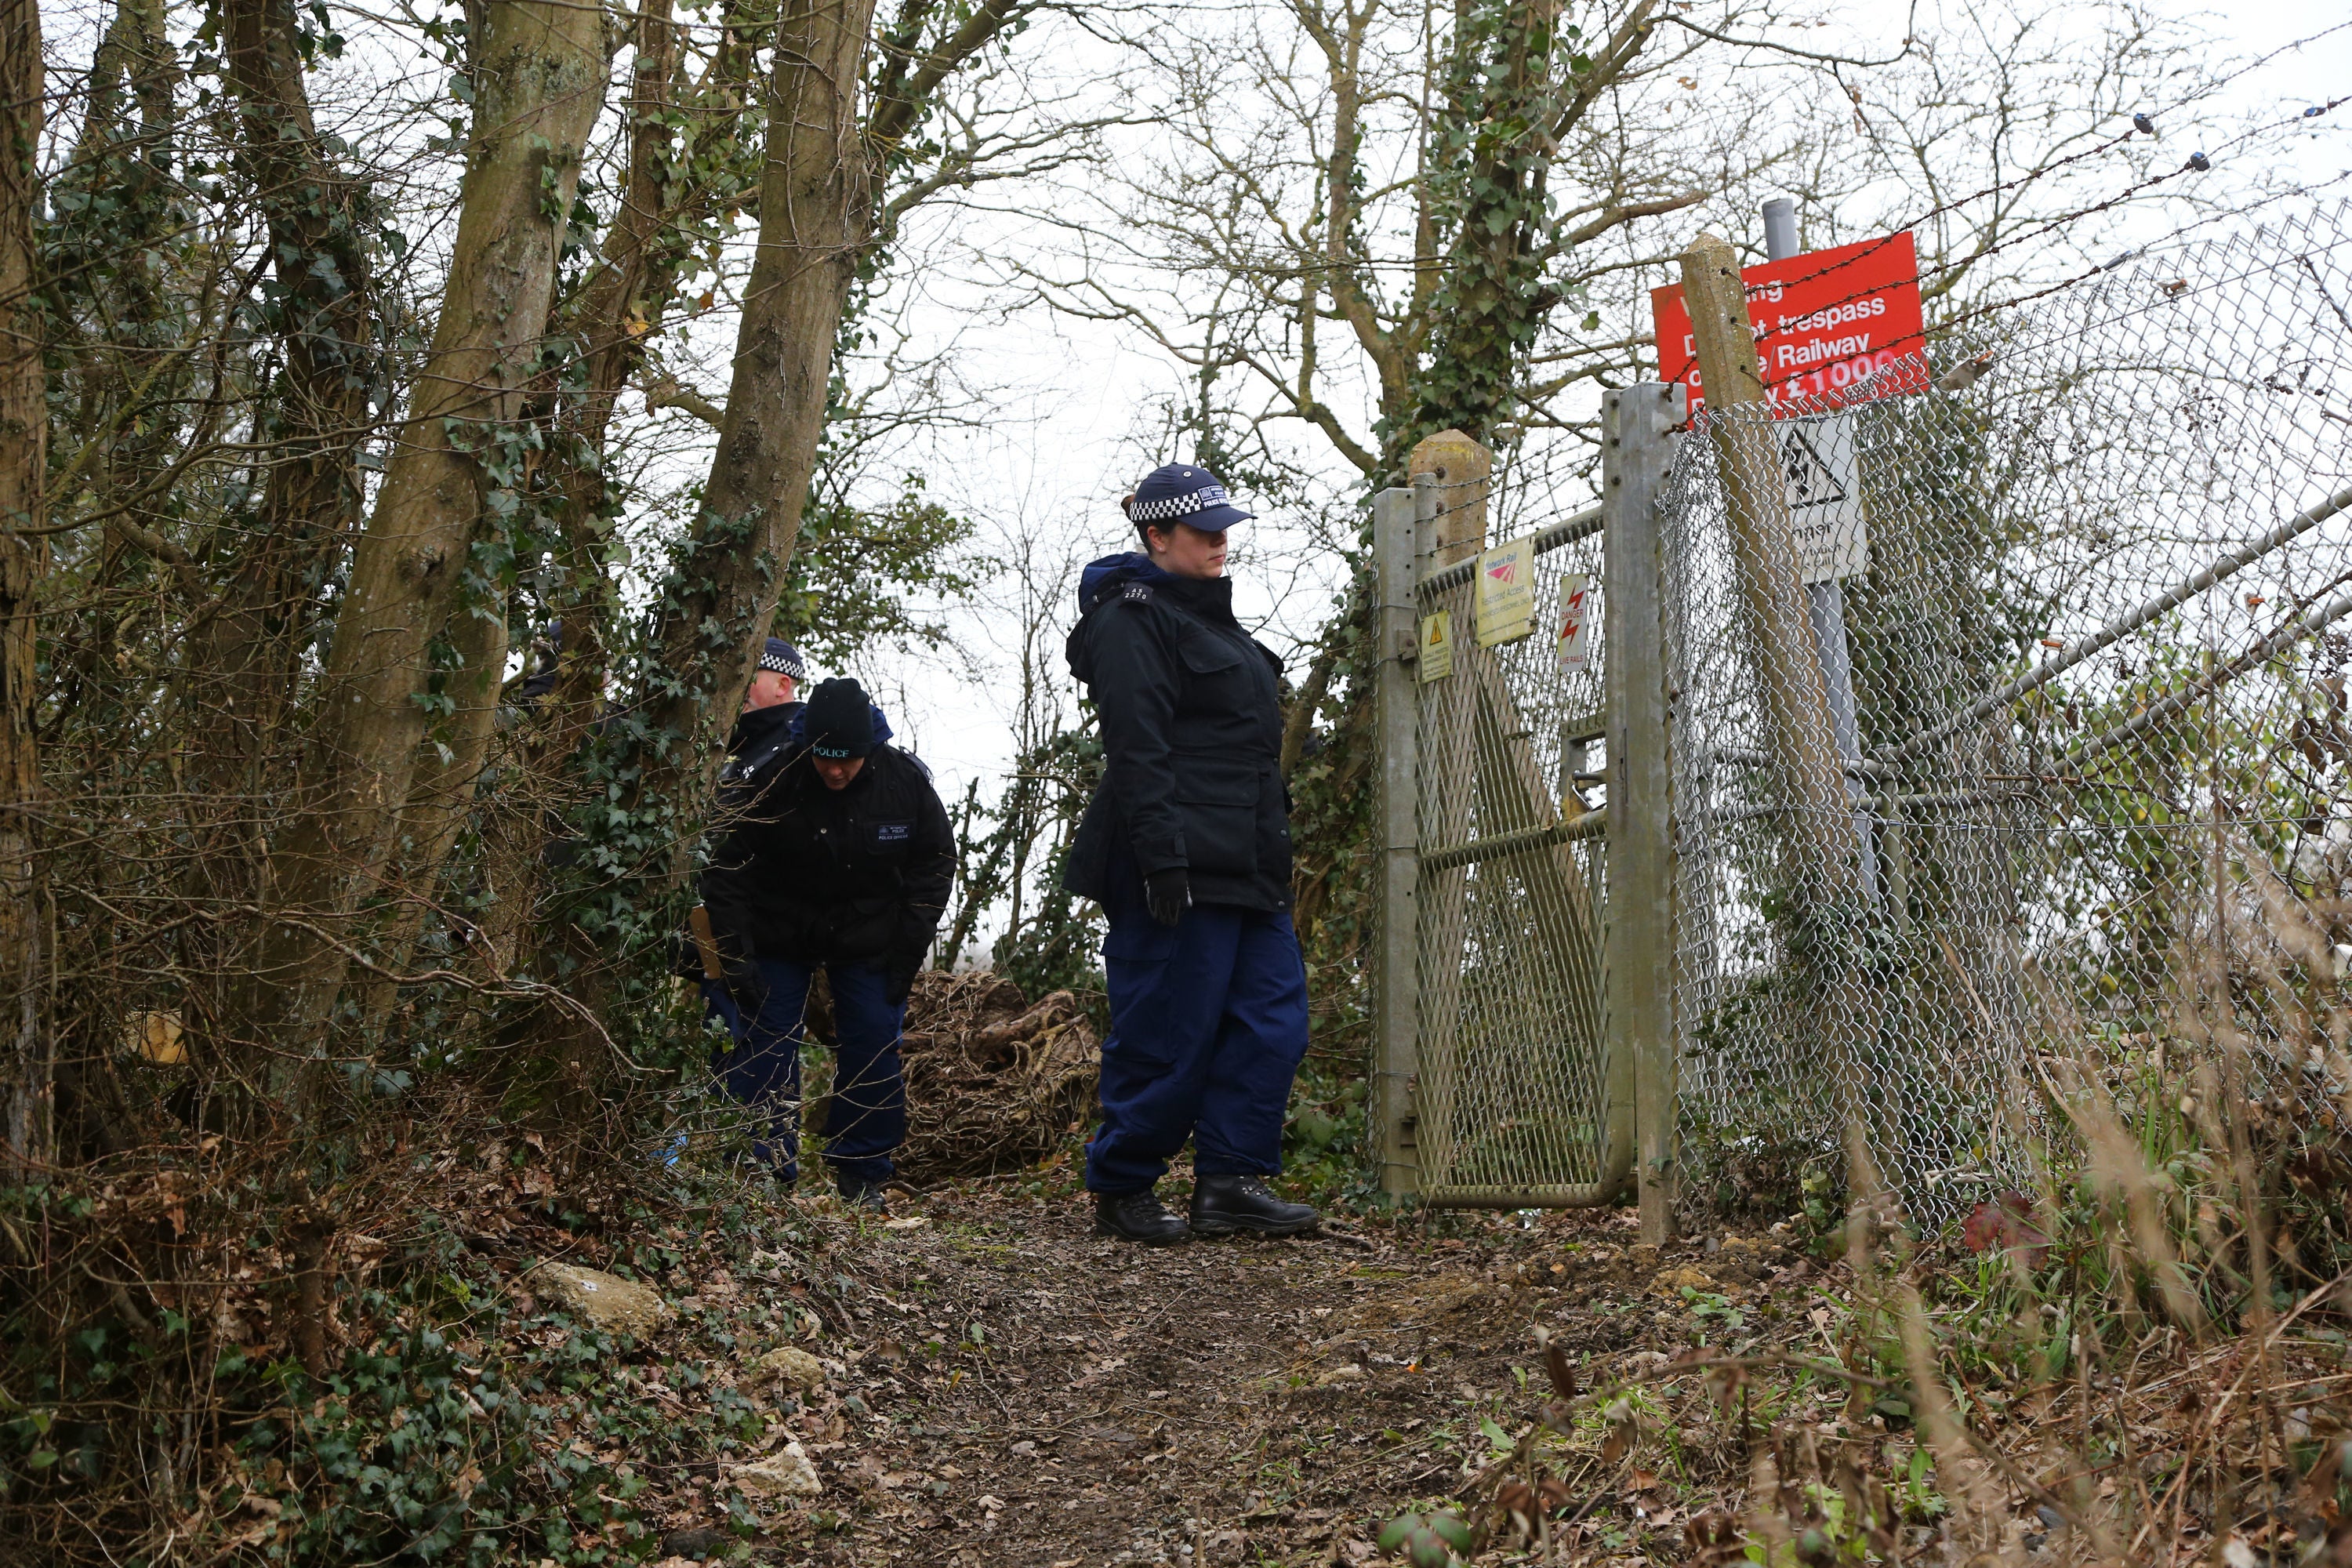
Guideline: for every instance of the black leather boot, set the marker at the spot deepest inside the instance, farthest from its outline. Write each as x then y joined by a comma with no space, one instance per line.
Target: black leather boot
1224,1205
1138,1216
862,1193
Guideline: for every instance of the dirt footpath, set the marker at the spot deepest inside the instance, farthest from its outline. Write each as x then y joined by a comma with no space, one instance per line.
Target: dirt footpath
1007,1389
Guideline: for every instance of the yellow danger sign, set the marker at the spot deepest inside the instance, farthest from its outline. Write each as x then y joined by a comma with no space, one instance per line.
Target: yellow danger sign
1436,653
1506,592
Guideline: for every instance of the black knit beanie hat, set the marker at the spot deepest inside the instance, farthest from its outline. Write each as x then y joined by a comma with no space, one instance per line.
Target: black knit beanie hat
839,720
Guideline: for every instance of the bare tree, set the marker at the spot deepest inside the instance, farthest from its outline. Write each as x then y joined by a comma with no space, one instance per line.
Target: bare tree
1013,846
2004,139
23,557
1404,211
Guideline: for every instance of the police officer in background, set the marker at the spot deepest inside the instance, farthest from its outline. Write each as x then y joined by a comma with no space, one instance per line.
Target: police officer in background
756,747
1186,844
836,854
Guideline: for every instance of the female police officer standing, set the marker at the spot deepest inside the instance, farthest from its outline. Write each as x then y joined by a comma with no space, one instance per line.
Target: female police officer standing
1186,846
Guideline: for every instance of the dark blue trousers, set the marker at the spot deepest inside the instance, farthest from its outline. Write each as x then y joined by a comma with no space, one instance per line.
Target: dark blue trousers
1208,1022
866,1117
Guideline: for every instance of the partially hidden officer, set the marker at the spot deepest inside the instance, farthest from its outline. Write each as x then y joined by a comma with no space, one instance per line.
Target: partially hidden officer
1186,844
761,742
837,855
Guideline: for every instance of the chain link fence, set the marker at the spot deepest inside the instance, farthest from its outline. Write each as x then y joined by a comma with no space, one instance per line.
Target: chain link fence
2033,756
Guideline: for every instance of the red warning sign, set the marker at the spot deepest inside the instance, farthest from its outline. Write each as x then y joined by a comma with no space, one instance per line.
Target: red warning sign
1825,321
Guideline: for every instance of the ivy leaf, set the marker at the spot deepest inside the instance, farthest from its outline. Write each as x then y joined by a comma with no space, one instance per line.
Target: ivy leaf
1434,1542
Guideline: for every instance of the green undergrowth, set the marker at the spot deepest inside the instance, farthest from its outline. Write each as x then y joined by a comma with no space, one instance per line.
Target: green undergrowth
457,1420
1326,1148
2145,1340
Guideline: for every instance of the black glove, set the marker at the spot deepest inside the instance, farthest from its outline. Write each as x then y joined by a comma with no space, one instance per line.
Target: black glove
1168,894
746,987
899,979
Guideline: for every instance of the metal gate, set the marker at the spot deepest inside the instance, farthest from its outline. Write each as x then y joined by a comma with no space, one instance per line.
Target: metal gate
1514,1003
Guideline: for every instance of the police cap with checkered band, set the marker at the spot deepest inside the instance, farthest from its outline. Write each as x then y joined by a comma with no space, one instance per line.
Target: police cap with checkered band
1181,492
783,659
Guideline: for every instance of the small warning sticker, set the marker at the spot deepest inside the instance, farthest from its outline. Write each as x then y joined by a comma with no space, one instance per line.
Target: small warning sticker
1575,624
1436,654
1825,514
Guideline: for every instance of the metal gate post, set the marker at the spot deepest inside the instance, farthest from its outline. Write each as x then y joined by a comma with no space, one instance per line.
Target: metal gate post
1397,629
1638,936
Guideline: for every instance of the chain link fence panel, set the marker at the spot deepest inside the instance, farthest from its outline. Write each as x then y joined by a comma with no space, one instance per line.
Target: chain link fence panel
2033,757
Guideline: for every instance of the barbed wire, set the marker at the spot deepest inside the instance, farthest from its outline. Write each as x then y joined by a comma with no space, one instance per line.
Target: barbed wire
2043,227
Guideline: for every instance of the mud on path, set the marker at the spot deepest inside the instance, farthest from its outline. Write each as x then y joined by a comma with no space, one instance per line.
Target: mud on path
1007,1389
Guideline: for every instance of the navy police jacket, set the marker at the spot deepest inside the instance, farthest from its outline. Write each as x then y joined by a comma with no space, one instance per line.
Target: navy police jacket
802,872
1192,730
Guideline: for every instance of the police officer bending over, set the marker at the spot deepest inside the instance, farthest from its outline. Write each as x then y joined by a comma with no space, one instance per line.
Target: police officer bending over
838,853
1186,846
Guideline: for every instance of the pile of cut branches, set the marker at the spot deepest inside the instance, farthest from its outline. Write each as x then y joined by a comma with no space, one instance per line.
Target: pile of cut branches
993,1083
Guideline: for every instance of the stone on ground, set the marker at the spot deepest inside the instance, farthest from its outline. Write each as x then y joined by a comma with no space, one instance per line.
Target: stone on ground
787,1472
606,1301
792,1366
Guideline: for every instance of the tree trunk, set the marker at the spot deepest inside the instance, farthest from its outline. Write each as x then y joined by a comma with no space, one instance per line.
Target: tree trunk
619,312
23,560
630,290
612,318
239,676
441,791
607,326
721,596
538,85
815,215
622,310
243,657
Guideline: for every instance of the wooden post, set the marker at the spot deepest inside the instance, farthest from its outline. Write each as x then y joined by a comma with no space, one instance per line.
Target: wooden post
1449,512
1458,469
1397,714
1638,947
1756,500
1799,729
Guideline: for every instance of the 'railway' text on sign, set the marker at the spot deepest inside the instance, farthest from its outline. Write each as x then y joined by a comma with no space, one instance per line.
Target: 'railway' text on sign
1825,321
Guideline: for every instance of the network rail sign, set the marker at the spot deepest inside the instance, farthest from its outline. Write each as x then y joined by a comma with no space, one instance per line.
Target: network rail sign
1826,323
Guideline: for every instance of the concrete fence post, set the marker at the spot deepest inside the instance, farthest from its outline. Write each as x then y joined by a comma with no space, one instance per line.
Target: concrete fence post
1396,628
